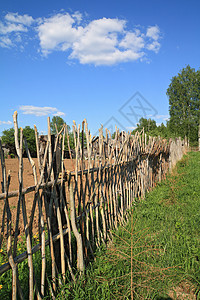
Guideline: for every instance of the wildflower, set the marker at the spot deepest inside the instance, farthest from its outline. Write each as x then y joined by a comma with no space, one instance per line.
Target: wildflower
1,250
1,286
35,235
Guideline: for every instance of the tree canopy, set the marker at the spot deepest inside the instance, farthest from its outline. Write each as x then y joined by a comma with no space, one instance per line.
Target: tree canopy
57,122
9,139
184,103
151,128
149,125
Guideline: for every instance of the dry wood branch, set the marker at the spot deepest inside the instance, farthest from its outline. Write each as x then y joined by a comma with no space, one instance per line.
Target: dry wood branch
80,261
37,147
4,189
20,258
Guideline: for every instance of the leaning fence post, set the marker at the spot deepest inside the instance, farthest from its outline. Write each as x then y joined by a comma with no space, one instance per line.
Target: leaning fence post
80,262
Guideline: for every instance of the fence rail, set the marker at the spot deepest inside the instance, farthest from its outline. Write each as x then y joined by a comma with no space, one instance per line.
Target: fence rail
76,210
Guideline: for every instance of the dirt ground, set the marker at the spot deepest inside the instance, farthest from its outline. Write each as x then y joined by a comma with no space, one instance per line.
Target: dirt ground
12,165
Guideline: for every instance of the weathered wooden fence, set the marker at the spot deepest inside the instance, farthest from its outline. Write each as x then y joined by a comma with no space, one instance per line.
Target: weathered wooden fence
78,209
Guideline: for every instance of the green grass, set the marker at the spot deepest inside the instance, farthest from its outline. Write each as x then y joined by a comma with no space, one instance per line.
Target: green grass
156,255
23,270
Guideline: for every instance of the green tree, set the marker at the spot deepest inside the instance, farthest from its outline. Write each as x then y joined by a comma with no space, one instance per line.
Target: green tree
29,134
56,121
184,103
149,126
8,138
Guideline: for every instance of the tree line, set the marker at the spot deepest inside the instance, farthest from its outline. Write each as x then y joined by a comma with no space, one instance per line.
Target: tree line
56,124
184,115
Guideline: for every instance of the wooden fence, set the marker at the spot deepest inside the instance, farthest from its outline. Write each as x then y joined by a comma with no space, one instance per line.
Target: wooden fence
77,210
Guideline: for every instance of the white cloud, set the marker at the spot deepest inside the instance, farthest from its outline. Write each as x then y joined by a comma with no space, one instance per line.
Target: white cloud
103,41
133,40
78,16
5,42
10,27
98,43
57,33
59,114
158,117
153,32
164,117
40,111
154,46
16,18
6,122
158,124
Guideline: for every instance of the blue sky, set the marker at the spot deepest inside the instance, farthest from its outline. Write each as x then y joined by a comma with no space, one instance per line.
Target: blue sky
106,61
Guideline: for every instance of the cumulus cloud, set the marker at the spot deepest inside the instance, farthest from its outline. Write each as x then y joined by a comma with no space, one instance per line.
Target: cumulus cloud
20,19
40,111
57,33
59,114
164,117
105,41
153,32
98,43
12,28
5,42
133,40
158,117
154,46
5,122
9,28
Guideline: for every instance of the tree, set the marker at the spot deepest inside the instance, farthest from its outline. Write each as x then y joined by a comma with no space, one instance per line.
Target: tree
29,134
184,103
8,138
56,122
149,126
59,122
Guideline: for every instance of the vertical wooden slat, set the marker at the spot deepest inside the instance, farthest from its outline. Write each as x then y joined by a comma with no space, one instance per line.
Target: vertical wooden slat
37,148
80,261
19,150
4,188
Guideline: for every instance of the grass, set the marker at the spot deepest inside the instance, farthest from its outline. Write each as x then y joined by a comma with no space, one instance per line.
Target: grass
156,255
23,270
